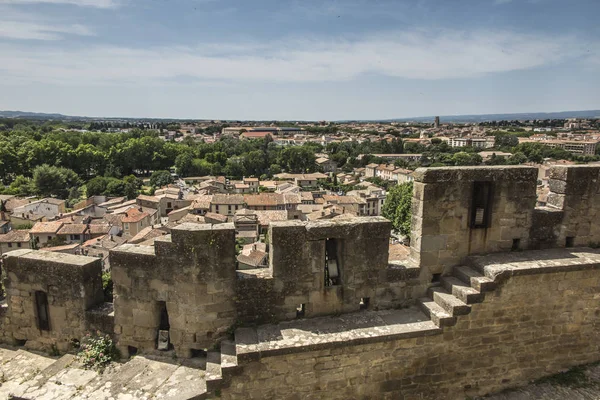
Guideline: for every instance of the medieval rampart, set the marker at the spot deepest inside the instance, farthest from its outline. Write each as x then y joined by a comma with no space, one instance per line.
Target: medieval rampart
360,323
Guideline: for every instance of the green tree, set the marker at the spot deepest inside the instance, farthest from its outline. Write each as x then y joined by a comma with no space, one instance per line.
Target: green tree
160,178
96,186
54,181
397,207
132,186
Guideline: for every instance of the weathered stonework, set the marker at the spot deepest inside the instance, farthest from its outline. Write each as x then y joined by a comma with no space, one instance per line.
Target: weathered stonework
473,310
542,318
71,284
192,271
441,213
296,273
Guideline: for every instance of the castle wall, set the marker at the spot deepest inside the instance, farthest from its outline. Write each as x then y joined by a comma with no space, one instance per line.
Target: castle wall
192,272
63,287
531,326
297,273
575,189
443,215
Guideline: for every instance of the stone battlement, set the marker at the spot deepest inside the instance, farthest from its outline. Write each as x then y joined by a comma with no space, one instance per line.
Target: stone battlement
472,229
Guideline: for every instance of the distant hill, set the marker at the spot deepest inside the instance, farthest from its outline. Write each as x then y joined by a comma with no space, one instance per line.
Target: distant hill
504,117
443,118
33,115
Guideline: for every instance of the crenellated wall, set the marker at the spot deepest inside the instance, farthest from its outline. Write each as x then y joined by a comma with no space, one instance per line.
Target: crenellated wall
189,278
192,272
540,318
443,227
61,286
297,274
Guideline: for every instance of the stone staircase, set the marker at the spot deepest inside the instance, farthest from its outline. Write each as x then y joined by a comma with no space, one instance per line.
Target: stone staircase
29,375
455,294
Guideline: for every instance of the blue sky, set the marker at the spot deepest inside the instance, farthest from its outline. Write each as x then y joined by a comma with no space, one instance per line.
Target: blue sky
298,59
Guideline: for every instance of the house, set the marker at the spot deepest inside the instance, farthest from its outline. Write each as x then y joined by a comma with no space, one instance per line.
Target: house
253,183
253,256
200,204
135,220
326,165
212,218
42,232
49,208
72,248
98,230
13,240
100,247
24,219
265,201
73,233
225,204
374,197
241,188
246,225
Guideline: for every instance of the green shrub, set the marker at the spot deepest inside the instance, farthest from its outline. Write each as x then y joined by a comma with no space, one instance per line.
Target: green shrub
107,287
97,351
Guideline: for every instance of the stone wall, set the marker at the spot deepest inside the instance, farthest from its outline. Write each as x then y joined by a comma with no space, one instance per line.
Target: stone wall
294,285
575,190
191,272
70,284
542,318
442,213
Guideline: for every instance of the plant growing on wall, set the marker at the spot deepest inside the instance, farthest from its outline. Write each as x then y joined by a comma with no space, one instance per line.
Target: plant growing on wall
97,351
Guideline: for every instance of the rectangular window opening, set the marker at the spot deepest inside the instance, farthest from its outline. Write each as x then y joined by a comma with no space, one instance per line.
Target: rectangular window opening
332,267
41,305
481,205
516,245
570,241
301,311
162,342
364,303
436,278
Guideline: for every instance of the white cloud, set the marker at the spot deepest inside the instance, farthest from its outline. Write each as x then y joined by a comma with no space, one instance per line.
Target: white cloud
411,55
39,31
81,3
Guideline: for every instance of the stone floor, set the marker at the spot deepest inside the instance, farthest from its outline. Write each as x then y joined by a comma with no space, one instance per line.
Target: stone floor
27,375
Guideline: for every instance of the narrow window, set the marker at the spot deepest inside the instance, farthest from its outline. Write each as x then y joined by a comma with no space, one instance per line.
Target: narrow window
301,310
516,244
570,241
332,268
9,244
481,205
162,342
364,303
41,305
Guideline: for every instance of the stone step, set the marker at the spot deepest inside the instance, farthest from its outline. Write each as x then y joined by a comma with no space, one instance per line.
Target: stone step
228,354
474,278
186,383
451,304
19,371
463,291
437,314
214,374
